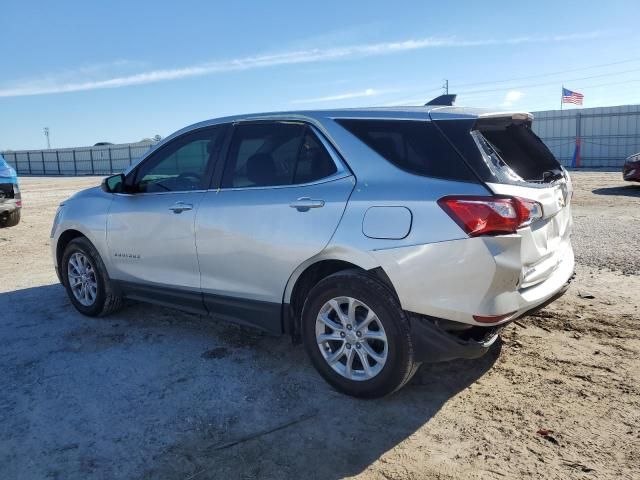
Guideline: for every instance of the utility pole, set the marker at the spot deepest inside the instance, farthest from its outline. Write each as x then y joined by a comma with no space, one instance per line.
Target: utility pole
445,87
46,134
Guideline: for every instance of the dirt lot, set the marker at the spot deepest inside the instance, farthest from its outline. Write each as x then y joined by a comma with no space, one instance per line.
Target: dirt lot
152,393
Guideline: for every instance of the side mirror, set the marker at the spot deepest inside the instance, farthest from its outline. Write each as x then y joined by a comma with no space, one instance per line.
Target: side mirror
113,184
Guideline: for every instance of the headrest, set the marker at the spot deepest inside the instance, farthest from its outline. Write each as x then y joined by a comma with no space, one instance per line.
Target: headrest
261,169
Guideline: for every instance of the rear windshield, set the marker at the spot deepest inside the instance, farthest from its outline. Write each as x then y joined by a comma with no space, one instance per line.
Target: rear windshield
415,146
514,150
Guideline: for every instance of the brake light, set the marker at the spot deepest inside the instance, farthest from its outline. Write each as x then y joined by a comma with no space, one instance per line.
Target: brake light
491,215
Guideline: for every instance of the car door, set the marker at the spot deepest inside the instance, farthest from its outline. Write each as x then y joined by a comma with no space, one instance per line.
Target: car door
150,228
281,197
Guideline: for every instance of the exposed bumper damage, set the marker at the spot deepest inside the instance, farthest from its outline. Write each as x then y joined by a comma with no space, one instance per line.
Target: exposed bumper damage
438,340
458,279
435,344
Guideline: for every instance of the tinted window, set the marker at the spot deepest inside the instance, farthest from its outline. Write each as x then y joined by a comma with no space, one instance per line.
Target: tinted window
180,165
271,154
417,147
314,162
515,145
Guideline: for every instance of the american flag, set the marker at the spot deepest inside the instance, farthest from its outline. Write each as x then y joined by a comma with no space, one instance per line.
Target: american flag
571,97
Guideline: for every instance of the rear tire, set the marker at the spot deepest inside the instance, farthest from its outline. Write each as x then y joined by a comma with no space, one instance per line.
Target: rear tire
10,220
350,318
81,266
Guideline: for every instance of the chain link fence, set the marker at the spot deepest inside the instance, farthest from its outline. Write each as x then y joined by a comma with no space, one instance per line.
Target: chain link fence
605,136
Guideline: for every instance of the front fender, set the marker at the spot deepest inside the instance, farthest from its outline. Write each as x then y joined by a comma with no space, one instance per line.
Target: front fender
85,213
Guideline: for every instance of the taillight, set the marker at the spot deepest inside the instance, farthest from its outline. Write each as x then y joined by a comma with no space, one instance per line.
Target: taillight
491,215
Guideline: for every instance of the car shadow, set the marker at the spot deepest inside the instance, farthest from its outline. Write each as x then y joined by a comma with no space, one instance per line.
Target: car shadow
627,190
153,393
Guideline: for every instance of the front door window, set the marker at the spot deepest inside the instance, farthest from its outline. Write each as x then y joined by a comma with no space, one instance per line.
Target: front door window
180,165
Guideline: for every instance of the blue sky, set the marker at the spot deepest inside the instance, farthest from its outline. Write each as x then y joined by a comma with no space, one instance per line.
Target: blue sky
120,71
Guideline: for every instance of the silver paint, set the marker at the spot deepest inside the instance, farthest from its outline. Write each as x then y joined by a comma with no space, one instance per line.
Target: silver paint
255,243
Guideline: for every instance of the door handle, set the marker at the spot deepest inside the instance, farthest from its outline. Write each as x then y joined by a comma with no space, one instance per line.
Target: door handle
180,207
304,204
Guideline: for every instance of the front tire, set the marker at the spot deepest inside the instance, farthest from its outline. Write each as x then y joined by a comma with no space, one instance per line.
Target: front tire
357,336
85,278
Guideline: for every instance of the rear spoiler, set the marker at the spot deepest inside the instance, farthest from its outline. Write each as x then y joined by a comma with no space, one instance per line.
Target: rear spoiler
443,100
512,115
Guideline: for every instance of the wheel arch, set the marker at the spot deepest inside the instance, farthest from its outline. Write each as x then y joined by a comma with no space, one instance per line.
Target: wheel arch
309,273
63,240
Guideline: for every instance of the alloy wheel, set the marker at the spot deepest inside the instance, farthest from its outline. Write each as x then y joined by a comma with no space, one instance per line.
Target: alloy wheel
82,279
351,338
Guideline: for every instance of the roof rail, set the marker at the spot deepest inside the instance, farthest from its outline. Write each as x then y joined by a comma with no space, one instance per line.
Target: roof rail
445,100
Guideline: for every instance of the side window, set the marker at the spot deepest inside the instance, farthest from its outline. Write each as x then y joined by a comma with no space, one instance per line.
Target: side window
414,146
273,154
314,162
180,165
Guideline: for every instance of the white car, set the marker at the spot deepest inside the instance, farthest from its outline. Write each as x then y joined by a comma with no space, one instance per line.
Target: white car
382,238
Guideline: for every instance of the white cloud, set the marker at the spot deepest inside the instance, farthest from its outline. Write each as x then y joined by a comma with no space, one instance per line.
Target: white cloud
63,85
369,92
511,97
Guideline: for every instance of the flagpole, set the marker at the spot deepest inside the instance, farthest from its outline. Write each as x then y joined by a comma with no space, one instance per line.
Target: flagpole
561,92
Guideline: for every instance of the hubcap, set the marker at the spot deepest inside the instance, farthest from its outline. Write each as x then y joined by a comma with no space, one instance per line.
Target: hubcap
351,338
82,279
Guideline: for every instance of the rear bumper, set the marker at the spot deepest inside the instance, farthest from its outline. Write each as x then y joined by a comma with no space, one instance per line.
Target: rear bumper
484,276
433,343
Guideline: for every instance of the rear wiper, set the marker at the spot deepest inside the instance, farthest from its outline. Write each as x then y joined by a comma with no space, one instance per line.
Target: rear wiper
551,175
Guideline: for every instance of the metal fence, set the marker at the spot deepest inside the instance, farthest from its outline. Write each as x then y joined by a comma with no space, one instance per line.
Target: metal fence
101,160
605,136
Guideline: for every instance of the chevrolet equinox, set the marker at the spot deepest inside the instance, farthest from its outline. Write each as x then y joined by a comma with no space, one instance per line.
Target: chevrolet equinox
381,238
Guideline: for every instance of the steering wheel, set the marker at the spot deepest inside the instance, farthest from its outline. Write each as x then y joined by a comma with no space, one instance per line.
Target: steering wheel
190,179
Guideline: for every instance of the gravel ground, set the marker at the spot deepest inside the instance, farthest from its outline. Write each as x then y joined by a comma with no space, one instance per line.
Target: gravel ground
153,393
606,229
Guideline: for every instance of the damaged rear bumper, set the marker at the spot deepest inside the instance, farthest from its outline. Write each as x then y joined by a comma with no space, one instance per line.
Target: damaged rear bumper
433,343
438,340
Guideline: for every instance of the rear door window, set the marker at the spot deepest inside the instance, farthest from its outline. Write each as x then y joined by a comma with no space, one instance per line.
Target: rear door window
415,146
314,162
269,154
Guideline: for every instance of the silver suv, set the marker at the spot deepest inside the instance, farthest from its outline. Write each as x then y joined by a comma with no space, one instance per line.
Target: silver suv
380,238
